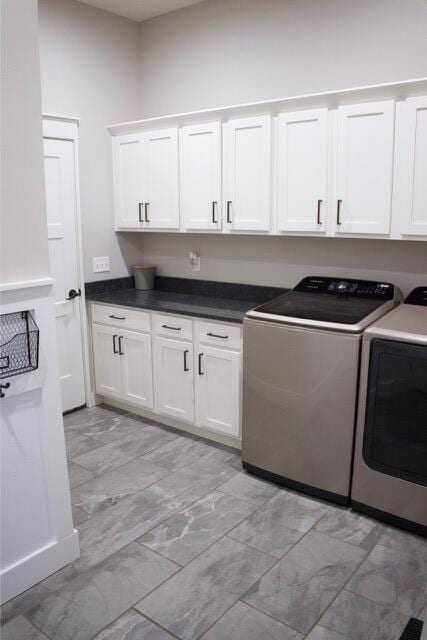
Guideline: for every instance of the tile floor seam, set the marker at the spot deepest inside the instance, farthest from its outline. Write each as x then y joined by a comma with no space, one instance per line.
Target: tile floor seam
157,624
303,633
385,606
286,624
32,623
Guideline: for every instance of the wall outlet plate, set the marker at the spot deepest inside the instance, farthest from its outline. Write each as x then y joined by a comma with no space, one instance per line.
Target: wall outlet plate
101,264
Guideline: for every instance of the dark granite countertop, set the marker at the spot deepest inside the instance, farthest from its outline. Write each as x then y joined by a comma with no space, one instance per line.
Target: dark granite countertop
205,299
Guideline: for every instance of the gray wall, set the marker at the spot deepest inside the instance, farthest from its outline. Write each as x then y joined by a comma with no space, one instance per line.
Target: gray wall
222,52
24,251
219,52
89,68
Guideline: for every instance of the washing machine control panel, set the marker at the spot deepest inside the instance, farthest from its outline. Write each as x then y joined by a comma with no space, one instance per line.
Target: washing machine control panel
348,287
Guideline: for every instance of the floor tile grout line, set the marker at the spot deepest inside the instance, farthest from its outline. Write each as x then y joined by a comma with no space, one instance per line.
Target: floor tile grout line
378,604
249,604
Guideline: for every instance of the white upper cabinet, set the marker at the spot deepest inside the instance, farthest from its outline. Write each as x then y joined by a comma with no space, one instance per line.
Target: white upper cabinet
200,176
302,159
128,180
410,178
160,192
248,174
364,168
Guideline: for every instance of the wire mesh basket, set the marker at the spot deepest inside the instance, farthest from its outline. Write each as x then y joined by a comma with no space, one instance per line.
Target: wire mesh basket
19,343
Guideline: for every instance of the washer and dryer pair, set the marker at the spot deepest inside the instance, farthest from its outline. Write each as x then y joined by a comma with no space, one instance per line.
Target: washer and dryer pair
302,358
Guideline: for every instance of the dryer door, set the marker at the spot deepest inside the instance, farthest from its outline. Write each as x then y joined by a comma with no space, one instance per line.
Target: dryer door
395,437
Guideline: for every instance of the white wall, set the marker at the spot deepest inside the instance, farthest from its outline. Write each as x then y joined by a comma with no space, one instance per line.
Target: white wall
89,67
222,52
24,253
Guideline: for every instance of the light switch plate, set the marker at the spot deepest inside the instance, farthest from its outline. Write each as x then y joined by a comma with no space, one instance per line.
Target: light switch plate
101,264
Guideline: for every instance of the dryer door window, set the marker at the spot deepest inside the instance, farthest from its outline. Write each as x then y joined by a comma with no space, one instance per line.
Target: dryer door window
395,438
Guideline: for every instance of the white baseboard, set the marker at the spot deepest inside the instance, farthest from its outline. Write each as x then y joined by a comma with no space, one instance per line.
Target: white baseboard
22,575
230,441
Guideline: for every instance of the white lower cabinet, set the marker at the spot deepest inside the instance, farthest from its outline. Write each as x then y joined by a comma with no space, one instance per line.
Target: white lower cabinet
173,378
123,365
185,368
218,389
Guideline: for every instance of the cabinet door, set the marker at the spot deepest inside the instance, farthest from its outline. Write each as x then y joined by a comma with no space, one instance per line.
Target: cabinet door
173,378
218,390
410,179
127,180
248,169
302,170
108,376
137,370
364,168
200,176
160,179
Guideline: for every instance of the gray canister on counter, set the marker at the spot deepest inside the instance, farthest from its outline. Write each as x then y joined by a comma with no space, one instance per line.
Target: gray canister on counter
144,276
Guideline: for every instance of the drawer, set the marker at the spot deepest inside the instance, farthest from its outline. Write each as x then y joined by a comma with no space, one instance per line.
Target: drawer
220,335
173,326
121,317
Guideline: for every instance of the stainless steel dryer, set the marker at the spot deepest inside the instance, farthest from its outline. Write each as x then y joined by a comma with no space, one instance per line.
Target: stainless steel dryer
390,458
300,372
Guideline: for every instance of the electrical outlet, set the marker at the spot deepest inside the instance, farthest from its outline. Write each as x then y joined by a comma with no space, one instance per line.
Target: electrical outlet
194,257
101,264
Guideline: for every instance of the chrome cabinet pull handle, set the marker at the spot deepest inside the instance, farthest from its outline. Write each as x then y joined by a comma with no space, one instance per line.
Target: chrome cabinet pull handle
185,361
319,203
338,212
214,205
114,344
166,326
215,335
118,317
229,202
140,205
146,211
121,353
201,373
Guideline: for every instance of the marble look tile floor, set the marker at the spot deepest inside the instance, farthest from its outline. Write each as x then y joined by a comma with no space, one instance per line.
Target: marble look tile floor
177,542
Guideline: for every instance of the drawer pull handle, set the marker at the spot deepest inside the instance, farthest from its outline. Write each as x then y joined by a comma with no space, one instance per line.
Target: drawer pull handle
146,211
166,326
140,205
319,204
117,317
214,205
121,353
185,361
339,212
229,202
215,335
114,344
200,364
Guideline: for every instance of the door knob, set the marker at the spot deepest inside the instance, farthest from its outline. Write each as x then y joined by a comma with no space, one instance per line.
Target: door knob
73,294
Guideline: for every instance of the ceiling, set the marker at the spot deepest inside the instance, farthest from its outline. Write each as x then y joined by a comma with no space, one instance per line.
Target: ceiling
140,10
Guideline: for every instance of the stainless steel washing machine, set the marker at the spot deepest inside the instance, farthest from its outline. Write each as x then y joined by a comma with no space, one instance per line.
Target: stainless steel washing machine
300,371
390,457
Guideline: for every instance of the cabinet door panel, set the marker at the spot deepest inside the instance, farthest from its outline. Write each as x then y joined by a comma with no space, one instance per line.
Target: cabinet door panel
127,169
200,176
218,390
137,368
160,179
410,179
173,378
248,174
302,170
364,167
108,377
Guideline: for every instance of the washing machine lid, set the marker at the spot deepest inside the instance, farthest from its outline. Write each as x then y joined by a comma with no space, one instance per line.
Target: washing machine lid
332,303
406,323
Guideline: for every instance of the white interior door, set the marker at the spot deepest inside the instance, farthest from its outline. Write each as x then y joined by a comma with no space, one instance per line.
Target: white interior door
218,390
160,191
108,372
248,169
365,168
173,378
302,170
200,176
61,205
128,180
137,368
